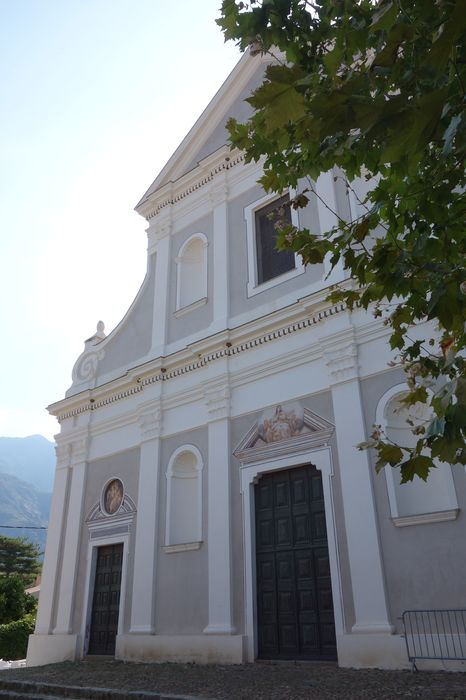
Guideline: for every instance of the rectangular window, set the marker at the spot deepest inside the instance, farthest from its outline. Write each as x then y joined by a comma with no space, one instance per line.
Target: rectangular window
270,261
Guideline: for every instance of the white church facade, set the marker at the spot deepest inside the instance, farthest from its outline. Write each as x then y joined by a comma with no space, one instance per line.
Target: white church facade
209,502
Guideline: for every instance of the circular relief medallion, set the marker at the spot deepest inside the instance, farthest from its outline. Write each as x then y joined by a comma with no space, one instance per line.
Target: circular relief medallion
113,496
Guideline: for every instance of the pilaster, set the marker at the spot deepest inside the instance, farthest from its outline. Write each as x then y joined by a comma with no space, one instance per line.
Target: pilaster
217,399
327,208
145,563
219,202
64,622
159,241
54,538
365,557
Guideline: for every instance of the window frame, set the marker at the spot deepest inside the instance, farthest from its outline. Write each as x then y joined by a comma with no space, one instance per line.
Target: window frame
253,285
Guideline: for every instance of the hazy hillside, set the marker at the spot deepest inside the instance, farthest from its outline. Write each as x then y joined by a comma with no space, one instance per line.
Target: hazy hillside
27,467
31,459
22,504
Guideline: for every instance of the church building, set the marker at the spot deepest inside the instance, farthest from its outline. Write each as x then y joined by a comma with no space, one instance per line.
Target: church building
210,504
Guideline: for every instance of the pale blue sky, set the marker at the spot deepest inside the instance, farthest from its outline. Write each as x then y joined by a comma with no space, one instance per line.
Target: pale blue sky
95,96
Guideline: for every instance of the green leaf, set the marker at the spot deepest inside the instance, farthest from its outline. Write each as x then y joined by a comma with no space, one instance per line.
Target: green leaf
419,394
388,454
419,465
361,230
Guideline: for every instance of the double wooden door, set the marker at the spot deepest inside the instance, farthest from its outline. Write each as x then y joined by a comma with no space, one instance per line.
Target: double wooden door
294,594
106,600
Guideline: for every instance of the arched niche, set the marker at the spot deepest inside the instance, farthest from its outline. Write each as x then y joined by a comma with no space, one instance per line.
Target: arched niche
418,501
184,500
191,272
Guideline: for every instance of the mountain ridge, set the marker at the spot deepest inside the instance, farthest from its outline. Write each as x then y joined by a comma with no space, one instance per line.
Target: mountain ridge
27,467
31,458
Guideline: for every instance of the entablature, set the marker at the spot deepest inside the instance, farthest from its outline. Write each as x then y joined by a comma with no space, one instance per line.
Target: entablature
226,344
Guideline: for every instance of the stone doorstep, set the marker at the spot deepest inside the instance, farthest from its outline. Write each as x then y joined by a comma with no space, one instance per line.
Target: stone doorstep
43,691
11,695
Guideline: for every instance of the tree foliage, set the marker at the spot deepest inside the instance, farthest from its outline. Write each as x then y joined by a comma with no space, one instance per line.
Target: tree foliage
14,637
14,602
376,90
19,557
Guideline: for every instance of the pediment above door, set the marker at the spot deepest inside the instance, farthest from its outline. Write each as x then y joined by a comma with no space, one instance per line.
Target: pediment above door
283,429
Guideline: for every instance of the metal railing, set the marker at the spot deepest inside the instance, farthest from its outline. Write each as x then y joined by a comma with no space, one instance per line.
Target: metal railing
435,634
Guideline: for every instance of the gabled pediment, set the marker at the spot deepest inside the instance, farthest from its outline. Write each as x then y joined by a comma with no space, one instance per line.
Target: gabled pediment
283,429
208,133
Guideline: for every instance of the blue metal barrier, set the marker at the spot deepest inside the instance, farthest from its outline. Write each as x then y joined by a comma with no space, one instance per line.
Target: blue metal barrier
435,634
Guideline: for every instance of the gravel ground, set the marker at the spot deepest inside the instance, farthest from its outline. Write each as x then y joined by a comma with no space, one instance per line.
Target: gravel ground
271,681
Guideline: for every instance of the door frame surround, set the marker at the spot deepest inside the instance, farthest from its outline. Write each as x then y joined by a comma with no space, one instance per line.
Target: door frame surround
104,529
269,461
90,584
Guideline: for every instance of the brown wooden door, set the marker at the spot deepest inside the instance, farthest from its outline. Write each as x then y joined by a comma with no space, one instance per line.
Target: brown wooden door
106,600
294,595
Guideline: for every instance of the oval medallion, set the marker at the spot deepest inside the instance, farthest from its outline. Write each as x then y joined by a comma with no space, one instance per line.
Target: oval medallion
113,496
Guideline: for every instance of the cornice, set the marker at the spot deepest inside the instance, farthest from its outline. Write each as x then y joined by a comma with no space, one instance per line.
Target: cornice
226,345
220,162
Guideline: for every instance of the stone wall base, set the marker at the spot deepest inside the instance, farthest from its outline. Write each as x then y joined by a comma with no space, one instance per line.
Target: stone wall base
200,649
51,649
386,651
372,651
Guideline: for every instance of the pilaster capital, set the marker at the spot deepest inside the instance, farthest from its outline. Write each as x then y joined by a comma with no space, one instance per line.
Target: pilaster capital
219,193
150,424
72,451
159,229
79,450
63,454
341,360
218,401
